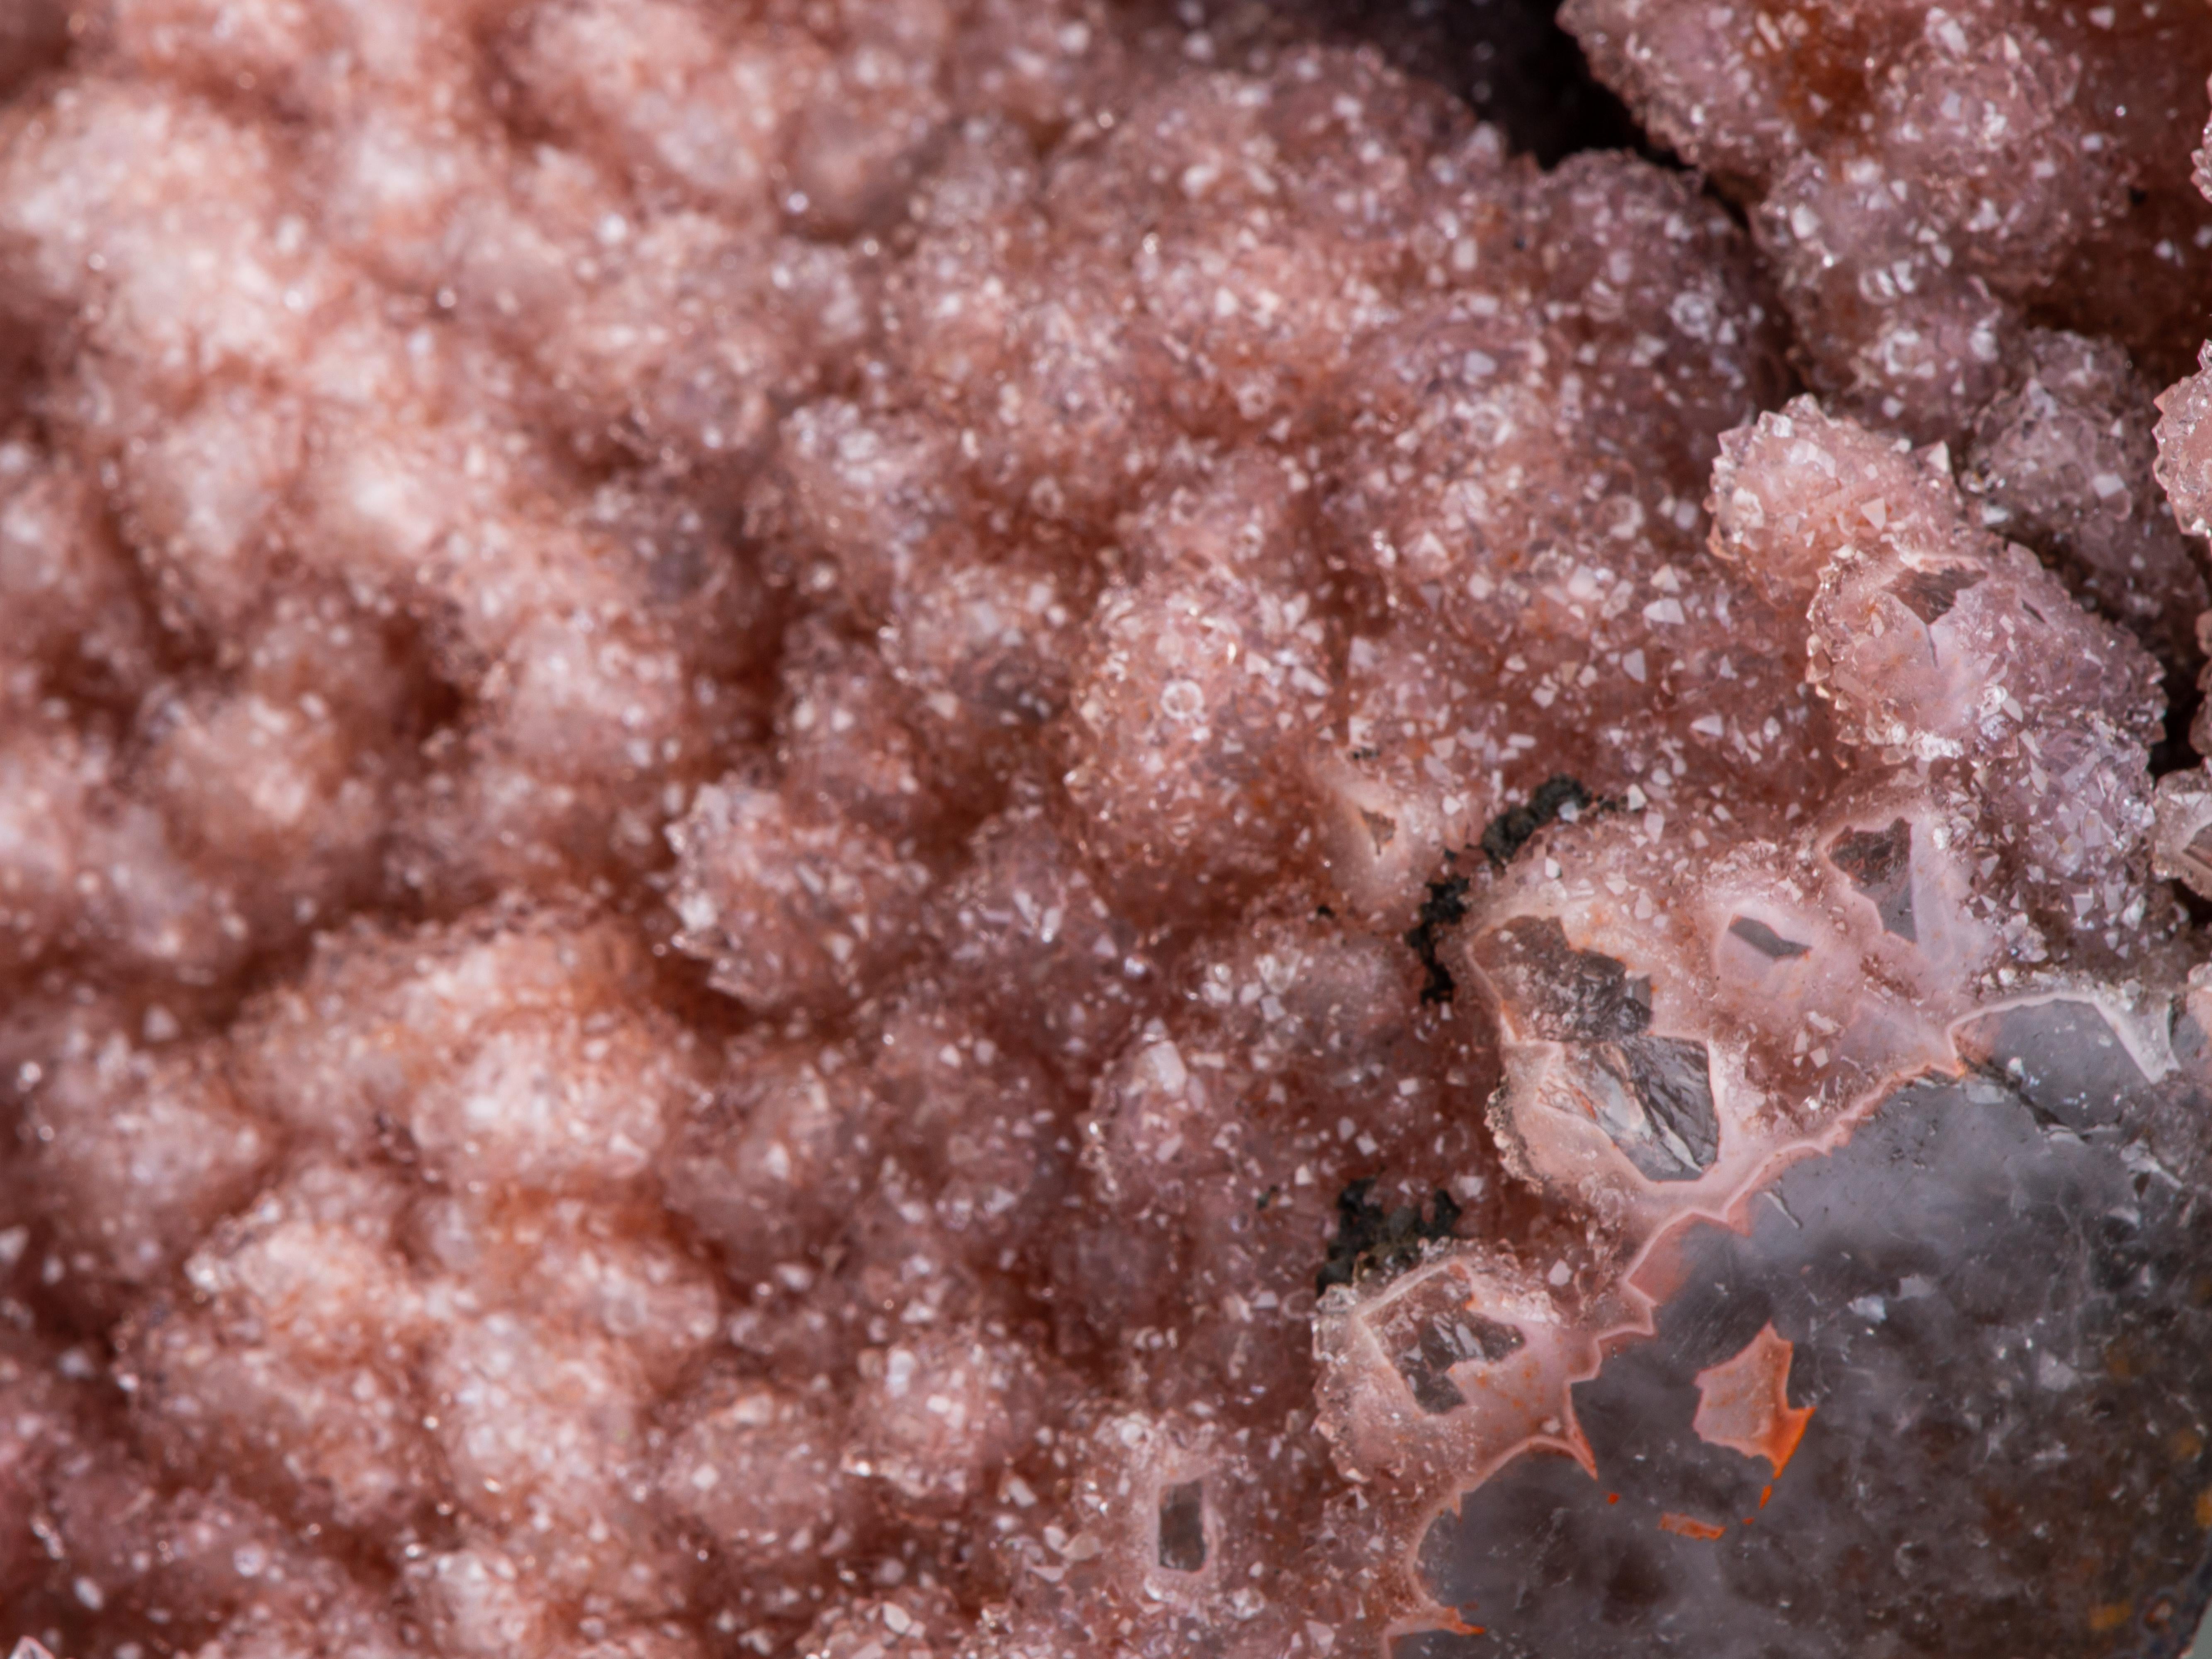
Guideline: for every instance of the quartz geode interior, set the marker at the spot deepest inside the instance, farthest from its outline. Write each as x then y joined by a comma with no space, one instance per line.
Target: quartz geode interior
1034,828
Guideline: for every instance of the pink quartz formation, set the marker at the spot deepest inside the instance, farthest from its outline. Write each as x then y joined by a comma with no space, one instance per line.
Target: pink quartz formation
948,827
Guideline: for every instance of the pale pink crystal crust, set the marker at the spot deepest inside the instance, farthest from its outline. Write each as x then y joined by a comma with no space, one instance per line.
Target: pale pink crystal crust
754,756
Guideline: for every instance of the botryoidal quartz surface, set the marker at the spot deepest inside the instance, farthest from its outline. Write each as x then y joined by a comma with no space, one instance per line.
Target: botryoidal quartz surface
1037,829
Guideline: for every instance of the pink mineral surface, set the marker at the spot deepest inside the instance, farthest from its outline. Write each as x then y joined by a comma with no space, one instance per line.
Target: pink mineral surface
910,829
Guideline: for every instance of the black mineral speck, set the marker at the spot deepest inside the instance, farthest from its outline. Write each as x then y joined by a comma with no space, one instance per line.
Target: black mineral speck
1504,835
1445,907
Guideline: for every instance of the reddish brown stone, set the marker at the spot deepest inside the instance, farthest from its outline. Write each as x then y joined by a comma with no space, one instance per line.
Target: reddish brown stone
990,829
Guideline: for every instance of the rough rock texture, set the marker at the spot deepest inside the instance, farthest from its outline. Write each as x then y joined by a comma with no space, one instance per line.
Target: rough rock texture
1008,830
1928,179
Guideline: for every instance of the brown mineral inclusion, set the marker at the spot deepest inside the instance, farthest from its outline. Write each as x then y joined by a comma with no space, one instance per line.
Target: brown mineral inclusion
1049,829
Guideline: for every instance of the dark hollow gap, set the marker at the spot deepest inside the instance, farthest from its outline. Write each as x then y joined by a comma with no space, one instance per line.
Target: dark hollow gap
1183,1527
1509,59
2173,752
1372,1240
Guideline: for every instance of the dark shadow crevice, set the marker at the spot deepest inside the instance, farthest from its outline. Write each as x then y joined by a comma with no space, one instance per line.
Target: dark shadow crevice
1509,59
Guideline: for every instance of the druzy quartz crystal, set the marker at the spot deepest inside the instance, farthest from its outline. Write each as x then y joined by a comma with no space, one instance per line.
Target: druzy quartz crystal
1046,828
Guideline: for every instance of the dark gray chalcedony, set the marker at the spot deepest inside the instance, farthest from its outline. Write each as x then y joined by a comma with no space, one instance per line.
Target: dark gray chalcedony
2000,1295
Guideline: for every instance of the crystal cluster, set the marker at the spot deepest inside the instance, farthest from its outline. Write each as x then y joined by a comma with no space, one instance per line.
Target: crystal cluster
1021,829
